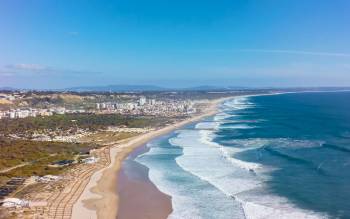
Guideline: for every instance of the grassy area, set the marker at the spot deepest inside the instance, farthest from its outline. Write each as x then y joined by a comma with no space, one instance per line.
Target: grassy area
29,158
90,122
40,168
105,137
36,156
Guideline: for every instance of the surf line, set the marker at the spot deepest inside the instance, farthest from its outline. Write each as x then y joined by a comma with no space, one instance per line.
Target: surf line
240,204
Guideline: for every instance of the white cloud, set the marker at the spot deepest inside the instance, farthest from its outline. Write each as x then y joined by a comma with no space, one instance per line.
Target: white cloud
24,69
14,70
27,67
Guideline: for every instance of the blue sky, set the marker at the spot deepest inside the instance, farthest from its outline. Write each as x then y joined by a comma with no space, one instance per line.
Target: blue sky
64,43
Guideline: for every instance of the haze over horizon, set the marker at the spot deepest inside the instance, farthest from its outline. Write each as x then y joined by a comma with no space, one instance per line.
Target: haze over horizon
60,44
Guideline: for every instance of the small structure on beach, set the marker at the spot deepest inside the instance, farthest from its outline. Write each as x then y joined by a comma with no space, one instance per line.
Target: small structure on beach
16,181
48,178
63,163
7,190
90,160
14,203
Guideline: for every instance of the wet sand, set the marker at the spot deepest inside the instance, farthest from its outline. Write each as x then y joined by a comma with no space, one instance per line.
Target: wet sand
133,181
100,198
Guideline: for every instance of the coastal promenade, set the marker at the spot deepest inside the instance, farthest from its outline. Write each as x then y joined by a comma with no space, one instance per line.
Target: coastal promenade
60,203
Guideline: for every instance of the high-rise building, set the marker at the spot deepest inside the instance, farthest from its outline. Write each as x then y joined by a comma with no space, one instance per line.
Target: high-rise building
151,101
142,101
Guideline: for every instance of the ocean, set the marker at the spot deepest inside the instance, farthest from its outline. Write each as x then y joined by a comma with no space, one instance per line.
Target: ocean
269,156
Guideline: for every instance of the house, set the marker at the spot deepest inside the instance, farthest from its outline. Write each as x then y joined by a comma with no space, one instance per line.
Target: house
63,162
48,178
16,181
90,160
14,202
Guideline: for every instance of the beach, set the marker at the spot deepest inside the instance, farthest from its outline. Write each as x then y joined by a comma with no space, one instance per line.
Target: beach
134,180
100,197
261,156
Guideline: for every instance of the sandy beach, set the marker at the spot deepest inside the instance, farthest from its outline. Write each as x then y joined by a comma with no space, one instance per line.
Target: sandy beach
100,197
137,191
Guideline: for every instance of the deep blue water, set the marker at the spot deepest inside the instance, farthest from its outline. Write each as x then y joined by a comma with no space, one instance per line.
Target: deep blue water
276,156
309,144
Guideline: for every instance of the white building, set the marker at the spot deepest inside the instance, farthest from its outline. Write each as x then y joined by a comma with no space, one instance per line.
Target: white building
12,115
60,110
90,160
48,178
142,101
14,202
151,101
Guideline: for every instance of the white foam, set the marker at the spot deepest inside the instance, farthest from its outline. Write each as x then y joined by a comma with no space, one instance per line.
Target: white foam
183,206
227,188
207,125
187,191
160,151
249,143
275,142
258,211
238,103
237,126
221,116
205,159
242,164
228,153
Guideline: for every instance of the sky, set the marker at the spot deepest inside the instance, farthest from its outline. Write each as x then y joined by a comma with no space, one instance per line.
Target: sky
49,44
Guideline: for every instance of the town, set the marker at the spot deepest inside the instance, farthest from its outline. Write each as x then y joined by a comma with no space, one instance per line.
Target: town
141,106
146,106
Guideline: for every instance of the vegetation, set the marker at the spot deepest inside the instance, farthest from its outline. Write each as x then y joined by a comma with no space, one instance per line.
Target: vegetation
66,122
22,158
33,157
106,137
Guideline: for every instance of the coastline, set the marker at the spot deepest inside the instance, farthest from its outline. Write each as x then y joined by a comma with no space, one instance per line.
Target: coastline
100,197
137,191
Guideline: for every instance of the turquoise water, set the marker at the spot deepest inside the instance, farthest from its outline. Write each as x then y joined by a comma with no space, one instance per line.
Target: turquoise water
276,156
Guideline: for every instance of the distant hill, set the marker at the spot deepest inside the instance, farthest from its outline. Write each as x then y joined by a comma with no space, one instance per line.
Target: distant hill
140,88
214,88
117,88
7,89
130,88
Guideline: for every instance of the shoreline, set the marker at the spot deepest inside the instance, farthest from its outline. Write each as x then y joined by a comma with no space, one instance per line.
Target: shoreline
137,191
100,197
